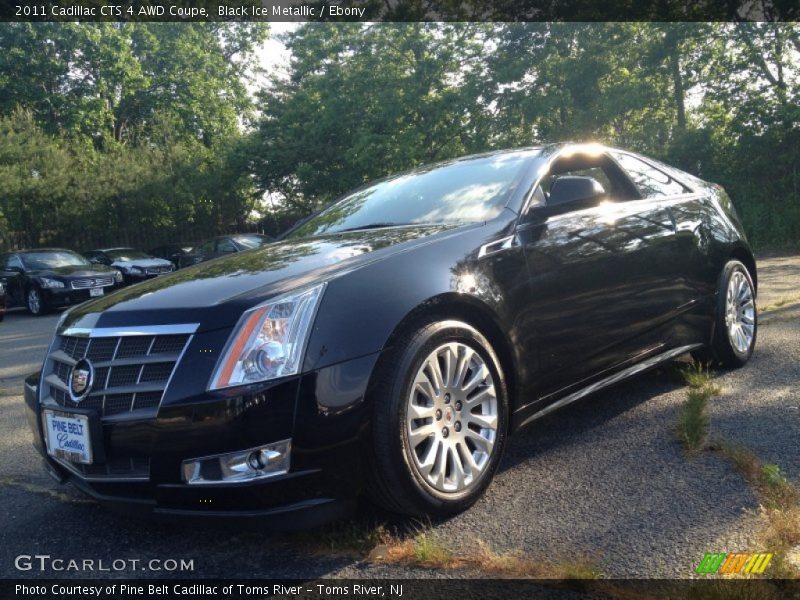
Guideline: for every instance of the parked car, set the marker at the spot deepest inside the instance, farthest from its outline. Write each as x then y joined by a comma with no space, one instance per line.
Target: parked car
222,245
134,265
391,343
2,301
172,252
45,278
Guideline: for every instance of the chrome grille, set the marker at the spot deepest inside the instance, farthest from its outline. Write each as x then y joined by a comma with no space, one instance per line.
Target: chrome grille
157,270
131,371
90,282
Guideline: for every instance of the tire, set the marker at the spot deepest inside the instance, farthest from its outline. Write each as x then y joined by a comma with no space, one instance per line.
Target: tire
34,302
735,318
440,463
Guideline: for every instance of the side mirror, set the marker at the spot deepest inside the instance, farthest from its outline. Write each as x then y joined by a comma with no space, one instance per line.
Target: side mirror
574,188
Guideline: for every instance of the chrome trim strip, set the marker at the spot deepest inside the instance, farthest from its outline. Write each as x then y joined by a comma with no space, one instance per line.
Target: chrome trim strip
610,380
178,329
174,368
495,246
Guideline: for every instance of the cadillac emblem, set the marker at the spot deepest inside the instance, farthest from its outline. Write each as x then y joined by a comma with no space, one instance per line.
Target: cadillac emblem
80,380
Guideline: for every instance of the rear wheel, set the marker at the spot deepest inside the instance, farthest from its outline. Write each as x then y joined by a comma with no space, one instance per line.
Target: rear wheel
736,319
439,422
35,302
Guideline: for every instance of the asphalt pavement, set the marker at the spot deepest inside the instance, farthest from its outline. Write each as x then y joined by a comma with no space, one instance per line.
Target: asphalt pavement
603,480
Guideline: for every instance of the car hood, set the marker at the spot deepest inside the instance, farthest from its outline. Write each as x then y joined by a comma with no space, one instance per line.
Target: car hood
142,263
72,271
241,280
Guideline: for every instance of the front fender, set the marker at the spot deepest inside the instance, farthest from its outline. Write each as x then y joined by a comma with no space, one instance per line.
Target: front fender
361,309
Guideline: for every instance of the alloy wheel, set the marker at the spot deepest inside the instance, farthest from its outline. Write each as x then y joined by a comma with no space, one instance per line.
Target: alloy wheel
34,301
452,418
740,312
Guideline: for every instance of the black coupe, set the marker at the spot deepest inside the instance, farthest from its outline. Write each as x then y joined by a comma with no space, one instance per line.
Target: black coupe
392,342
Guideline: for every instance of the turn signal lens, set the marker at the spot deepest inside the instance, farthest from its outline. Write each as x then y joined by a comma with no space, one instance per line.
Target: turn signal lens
269,340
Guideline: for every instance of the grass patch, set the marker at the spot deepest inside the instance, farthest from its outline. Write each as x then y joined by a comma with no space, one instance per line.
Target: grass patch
693,419
780,507
779,499
775,492
428,550
345,538
422,547
698,376
693,423
778,304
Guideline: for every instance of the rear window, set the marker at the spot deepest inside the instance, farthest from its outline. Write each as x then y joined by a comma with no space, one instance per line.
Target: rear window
652,182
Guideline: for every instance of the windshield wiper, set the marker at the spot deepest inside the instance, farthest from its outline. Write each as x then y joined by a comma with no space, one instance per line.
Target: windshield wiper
373,226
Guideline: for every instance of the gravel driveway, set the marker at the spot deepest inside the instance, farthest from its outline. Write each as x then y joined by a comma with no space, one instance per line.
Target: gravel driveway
604,479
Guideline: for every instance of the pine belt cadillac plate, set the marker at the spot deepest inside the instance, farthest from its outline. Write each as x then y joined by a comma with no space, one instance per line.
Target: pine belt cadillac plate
68,436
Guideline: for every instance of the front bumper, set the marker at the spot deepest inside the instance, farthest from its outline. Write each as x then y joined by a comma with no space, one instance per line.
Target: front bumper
323,412
56,297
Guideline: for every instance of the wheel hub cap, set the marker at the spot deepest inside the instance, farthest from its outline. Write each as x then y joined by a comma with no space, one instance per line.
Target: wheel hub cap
740,312
451,418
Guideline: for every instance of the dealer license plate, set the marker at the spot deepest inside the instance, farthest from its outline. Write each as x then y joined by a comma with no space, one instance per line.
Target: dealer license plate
95,292
68,437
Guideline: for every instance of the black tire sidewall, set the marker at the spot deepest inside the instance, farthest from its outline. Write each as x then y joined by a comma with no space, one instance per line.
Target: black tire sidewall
428,338
724,350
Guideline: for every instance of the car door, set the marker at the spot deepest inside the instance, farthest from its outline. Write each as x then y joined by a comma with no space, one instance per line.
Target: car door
678,259
594,273
13,277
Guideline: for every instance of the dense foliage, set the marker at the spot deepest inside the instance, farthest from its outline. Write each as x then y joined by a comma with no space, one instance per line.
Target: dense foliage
140,133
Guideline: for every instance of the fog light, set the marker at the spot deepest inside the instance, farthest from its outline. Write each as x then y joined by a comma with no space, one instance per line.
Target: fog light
243,465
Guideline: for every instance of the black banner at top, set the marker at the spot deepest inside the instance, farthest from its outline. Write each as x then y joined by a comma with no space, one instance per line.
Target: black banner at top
399,10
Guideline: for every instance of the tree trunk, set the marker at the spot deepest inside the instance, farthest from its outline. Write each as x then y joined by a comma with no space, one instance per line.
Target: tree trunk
677,83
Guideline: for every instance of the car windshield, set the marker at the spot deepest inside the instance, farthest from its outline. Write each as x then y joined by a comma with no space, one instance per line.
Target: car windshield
251,241
125,254
467,190
53,259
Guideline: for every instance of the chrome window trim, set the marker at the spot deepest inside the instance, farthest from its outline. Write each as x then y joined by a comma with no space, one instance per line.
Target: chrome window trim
178,329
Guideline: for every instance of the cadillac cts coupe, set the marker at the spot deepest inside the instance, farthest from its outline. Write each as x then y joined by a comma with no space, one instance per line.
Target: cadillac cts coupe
390,343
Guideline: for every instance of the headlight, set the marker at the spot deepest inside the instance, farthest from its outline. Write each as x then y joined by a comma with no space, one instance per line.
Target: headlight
269,340
46,282
118,276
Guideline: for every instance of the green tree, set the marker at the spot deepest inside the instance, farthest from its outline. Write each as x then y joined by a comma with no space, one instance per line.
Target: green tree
363,101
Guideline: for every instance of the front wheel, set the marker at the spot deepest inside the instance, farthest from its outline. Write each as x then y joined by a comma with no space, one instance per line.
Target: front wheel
35,302
440,417
736,319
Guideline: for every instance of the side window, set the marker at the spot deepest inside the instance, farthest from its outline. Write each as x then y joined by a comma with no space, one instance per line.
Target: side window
652,182
206,248
226,245
595,173
14,261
